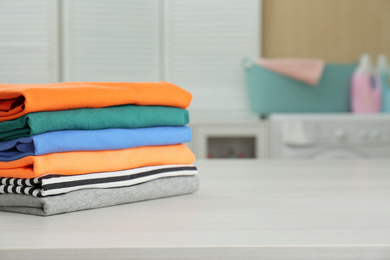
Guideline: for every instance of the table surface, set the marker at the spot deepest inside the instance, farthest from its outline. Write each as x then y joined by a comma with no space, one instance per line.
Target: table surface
244,209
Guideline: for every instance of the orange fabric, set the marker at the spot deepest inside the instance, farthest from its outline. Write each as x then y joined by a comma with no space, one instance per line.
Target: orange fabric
81,162
19,99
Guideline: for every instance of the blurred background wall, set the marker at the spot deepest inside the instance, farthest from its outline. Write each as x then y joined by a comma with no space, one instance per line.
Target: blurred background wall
333,30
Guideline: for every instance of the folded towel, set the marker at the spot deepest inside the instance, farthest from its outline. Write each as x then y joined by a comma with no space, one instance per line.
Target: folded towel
19,99
72,163
98,198
127,116
92,140
306,70
50,184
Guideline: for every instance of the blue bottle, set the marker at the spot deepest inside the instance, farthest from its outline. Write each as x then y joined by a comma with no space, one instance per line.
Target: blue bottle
383,69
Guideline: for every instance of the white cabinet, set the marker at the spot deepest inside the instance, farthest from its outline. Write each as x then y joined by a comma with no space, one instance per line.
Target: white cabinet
205,42
111,40
197,44
29,41
239,140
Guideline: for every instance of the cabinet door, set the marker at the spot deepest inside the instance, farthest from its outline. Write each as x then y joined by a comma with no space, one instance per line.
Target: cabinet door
205,42
111,40
28,41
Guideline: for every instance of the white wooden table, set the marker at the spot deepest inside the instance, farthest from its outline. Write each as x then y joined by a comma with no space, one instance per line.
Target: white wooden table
243,210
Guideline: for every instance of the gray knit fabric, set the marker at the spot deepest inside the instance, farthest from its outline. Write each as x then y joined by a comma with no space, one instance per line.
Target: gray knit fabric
98,198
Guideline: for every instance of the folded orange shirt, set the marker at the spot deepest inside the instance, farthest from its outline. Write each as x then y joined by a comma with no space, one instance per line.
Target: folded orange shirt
19,99
81,162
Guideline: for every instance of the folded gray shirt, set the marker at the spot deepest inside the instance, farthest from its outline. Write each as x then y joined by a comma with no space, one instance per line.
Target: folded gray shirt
98,198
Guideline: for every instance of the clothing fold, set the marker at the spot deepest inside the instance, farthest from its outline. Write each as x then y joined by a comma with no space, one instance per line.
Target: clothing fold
92,140
20,99
82,162
98,198
126,116
49,185
74,146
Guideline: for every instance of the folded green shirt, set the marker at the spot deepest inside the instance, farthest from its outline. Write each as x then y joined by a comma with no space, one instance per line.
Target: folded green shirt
127,116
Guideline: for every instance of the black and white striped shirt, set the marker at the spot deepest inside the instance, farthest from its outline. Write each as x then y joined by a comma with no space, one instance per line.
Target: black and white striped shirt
49,185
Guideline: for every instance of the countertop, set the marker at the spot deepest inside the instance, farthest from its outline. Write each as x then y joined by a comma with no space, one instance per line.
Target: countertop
244,209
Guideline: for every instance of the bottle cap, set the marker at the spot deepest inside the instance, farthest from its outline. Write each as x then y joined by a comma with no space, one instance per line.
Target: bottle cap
382,65
365,64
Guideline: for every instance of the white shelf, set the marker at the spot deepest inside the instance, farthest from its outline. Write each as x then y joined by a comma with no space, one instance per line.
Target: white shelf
230,139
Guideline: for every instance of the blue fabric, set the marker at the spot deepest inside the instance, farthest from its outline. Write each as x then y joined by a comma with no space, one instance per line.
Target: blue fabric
92,140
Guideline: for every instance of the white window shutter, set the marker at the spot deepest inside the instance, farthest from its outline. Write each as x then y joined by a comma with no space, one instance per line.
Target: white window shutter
28,41
111,40
205,42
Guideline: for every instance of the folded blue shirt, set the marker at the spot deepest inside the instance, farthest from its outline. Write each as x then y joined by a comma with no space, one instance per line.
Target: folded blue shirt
92,140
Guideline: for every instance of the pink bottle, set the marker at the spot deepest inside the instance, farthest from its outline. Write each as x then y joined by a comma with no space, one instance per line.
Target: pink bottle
366,88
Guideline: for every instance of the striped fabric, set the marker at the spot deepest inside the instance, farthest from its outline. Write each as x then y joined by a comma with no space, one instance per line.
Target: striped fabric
49,185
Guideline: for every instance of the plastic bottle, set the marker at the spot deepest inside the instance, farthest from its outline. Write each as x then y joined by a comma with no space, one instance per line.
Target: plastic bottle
365,88
383,70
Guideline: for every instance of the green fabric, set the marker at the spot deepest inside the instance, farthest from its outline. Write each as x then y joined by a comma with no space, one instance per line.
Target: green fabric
128,116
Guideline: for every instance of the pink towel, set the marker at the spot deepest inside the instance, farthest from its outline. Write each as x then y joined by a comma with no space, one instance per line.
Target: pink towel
306,70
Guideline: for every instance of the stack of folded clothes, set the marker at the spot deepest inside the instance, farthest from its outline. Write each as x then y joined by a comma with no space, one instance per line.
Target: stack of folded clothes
79,145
